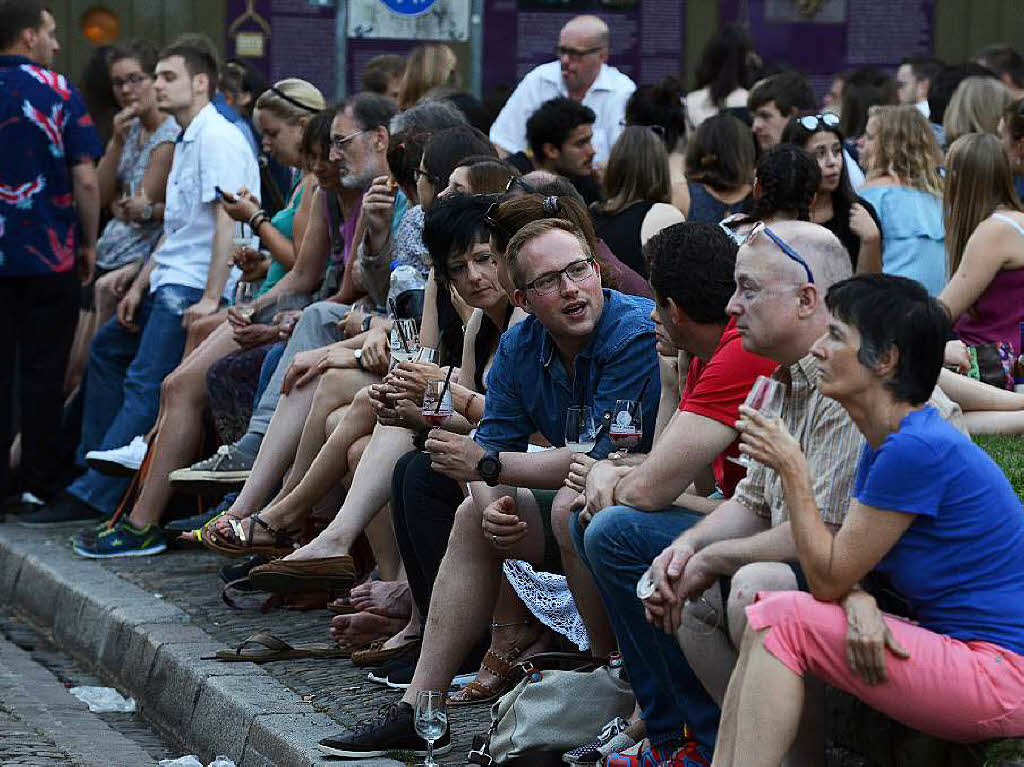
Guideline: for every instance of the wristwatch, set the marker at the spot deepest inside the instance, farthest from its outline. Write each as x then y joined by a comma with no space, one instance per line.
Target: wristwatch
358,355
489,467
147,212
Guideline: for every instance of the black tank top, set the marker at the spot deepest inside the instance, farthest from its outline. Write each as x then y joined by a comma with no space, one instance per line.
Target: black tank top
621,233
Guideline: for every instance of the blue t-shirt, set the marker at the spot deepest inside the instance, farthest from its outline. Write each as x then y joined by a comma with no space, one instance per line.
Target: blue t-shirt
960,563
46,132
529,391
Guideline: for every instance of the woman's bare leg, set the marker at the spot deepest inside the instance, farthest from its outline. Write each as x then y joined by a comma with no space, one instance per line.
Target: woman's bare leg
182,398
335,389
987,409
761,711
202,328
371,489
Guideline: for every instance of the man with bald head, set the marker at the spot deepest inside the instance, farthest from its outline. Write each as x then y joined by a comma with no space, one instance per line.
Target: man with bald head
582,74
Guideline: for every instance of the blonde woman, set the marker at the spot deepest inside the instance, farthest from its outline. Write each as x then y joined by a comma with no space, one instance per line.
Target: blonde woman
638,196
976,106
427,67
901,158
985,243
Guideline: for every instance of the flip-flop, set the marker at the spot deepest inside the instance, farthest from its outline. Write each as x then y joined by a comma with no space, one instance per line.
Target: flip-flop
286,576
264,646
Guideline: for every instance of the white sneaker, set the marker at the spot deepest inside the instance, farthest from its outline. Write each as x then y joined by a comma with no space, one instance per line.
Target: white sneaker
121,461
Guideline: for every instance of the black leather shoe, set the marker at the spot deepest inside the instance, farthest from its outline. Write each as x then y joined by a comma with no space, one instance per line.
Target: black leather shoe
65,510
393,729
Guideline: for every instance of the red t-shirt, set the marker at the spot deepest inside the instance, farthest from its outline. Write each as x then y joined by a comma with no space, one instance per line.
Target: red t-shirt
715,388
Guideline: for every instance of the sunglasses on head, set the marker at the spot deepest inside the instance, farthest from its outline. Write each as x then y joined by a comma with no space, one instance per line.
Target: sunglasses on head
515,181
819,122
782,245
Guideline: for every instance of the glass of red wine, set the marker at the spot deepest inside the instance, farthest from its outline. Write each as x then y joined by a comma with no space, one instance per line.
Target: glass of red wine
627,425
437,402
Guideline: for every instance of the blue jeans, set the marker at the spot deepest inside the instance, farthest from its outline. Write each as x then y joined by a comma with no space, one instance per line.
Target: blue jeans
618,546
270,363
122,392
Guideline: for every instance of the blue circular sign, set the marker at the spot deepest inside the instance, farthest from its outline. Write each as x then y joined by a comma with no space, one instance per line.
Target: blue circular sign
409,7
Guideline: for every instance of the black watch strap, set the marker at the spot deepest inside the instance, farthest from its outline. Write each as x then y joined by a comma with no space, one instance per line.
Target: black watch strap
489,468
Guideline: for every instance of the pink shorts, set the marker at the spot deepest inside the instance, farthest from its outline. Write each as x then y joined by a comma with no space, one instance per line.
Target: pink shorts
954,690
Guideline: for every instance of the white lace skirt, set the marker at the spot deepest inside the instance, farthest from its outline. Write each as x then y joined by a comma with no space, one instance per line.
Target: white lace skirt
548,597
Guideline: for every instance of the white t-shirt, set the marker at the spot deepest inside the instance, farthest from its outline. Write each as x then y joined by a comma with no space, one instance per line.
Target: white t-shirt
607,97
212,152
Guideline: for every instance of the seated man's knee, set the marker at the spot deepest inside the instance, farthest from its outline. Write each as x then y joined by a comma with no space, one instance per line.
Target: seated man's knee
605,530
468,519
760,576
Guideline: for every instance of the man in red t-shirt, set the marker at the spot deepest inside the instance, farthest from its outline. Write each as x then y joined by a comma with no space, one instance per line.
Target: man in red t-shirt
636,506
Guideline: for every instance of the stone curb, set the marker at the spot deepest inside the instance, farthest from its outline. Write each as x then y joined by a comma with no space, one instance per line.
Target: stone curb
152,650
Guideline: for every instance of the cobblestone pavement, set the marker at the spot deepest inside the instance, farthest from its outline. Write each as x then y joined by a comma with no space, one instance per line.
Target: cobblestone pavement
42,724
188,578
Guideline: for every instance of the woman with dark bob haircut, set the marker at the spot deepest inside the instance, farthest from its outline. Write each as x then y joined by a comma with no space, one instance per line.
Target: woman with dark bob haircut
719,169
930,510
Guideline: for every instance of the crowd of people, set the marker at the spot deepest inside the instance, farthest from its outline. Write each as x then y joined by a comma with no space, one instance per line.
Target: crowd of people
469,380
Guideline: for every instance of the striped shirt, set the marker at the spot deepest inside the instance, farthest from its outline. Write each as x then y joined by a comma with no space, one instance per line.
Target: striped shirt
828,438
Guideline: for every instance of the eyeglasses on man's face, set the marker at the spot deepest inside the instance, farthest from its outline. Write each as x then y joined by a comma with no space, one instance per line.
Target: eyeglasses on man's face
341,142
813,123
549,282
576,53
784,246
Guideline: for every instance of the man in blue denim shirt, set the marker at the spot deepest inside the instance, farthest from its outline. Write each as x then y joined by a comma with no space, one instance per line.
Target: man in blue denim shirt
581,344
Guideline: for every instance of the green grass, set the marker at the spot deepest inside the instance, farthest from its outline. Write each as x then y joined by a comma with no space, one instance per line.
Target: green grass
1008,452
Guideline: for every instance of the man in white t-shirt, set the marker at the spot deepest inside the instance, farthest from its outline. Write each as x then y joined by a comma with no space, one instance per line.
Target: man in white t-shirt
182,281
582,74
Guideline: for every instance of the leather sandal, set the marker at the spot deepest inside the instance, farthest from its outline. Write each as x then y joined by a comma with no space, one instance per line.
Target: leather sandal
285,541
499,666
376,655
288,576
264,646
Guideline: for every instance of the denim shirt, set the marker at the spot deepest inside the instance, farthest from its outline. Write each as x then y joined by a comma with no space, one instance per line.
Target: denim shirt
528,389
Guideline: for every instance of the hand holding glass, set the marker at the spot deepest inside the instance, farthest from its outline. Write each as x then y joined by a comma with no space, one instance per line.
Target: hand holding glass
437,408
245,295
766,397
431,719
405,340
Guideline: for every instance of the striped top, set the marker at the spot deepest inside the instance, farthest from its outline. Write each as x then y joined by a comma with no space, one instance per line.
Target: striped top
830,441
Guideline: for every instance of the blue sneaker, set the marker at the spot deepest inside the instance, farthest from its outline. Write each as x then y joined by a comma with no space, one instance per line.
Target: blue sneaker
123,540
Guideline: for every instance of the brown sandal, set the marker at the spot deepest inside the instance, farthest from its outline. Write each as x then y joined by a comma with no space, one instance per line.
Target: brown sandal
285,541
499,666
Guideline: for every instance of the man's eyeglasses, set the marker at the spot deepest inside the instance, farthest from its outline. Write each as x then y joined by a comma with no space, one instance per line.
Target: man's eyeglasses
576,53
134,79
782,245
549,282
819,122
515,181
339,142
417,173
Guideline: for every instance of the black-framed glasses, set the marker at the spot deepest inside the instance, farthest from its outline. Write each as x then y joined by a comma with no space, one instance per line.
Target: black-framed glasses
824,121
784,246
548,282
339,142
135,79
576,53
515,181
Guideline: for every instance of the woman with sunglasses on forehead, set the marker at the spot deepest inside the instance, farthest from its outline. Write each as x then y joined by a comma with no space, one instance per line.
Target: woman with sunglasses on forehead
836,206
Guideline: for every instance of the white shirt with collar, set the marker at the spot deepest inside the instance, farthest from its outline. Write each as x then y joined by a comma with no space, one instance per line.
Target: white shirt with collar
210,153
607,97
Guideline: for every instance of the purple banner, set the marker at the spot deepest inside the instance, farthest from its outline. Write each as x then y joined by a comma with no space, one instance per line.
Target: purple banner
646,37
284,38
827,37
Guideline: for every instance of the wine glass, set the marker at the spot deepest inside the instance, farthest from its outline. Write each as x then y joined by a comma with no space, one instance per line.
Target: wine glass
431,720
645,589
405,340
580,432
437,402
766,397
627,425
245,295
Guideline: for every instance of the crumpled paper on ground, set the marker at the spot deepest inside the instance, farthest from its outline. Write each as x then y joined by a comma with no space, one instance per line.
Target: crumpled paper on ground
192,760
102,700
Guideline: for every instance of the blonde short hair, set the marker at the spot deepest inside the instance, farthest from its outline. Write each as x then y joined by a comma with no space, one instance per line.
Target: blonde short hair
976,106
300,101
536,229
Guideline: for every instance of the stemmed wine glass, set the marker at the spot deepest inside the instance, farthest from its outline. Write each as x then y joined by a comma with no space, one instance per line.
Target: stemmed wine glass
766,397
405,340
245,294
580,432
627,425
431,720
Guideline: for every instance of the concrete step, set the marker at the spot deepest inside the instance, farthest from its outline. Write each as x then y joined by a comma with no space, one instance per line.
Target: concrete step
152,649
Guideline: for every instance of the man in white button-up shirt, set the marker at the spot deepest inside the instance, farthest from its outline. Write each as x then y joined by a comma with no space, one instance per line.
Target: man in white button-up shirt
582,74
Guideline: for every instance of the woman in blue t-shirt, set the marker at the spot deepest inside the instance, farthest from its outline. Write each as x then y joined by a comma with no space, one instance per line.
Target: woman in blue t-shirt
930,510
